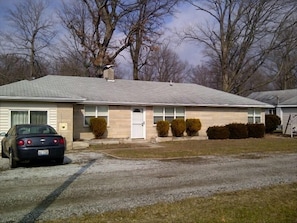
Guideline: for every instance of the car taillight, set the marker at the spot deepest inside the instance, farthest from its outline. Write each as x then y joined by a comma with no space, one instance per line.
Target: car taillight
59,141
29,142
21,142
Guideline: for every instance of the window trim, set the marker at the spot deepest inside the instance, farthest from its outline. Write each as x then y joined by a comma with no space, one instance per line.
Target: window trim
175,113
28,114
96,113
254,113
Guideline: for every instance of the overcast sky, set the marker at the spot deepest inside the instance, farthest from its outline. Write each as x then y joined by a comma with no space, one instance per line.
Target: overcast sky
185,16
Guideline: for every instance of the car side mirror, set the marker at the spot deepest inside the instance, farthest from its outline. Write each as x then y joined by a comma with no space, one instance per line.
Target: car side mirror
3,134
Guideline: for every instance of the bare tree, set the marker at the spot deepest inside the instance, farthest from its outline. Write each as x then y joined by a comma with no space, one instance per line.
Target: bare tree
69,65
205,75
93,23
30,34
70,60
104,29
146,22
240,35
12,68
164,65
284,59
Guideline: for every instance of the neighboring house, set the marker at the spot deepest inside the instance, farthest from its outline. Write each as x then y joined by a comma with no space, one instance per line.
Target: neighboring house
285,106
131,108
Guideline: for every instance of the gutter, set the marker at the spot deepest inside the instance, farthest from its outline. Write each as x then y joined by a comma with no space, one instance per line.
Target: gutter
42,99
86,102
172,104
286,106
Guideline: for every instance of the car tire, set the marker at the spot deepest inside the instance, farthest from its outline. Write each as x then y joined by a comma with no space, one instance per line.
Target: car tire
12,162
3,155
60,161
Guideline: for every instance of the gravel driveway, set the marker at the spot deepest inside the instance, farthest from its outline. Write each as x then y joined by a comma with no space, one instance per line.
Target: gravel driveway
91,182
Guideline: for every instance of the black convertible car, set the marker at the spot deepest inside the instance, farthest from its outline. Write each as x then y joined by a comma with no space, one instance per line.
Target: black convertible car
32,142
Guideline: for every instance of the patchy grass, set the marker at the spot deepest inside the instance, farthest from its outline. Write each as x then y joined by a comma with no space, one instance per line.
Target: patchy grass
271,204
194,148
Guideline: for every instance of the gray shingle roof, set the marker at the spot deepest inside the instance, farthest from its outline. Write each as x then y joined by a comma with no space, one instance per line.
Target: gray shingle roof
29,90
292,102
123,92
280,97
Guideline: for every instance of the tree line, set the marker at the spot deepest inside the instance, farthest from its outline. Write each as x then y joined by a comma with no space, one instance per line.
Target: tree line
248,45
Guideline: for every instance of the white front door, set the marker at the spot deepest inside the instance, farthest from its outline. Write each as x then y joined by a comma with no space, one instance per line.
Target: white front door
138,123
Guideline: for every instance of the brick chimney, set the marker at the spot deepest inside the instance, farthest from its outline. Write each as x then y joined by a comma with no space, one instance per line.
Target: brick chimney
108,73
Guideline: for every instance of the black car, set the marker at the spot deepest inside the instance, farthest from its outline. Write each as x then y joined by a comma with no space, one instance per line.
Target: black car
32,142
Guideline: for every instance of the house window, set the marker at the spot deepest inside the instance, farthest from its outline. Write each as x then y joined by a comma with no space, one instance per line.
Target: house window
28,117
168,113
38,117
254,115
271,111
95,112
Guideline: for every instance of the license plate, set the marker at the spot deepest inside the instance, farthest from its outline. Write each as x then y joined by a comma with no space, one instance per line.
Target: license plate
43,152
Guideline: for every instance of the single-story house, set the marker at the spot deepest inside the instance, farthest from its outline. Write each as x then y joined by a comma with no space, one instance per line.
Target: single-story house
131,108
284,105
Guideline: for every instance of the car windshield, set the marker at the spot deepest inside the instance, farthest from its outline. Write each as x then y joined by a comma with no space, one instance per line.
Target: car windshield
35,129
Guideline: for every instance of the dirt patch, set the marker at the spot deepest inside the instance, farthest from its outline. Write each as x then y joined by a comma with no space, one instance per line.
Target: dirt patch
188,160
251,156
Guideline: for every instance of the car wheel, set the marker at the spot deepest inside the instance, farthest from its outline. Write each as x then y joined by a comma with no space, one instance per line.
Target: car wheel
12,162
60,161
3,155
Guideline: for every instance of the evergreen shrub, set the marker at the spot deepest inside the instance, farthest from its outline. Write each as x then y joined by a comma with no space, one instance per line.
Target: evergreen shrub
237,131
256,130
193,126
178,126
271,123
163,128
98,126
218,132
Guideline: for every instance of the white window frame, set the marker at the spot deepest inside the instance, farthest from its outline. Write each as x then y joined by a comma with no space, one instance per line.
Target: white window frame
97,113
176,113
28,111
254,114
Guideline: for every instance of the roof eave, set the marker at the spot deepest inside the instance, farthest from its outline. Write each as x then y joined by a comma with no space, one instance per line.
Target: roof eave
286,106
41,99
175,104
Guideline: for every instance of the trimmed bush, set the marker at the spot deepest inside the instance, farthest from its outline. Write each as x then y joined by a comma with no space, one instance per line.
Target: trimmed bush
193,126
218,132
237,131
256,130
271,123
98,127
178,126
163,128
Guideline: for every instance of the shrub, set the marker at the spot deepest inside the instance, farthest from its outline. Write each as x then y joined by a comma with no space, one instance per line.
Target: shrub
218,132
256,130
271,123
162,128
193,126
98,127
237,131
178,126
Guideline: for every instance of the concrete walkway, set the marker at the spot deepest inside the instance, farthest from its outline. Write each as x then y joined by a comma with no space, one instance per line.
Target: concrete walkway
87,143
